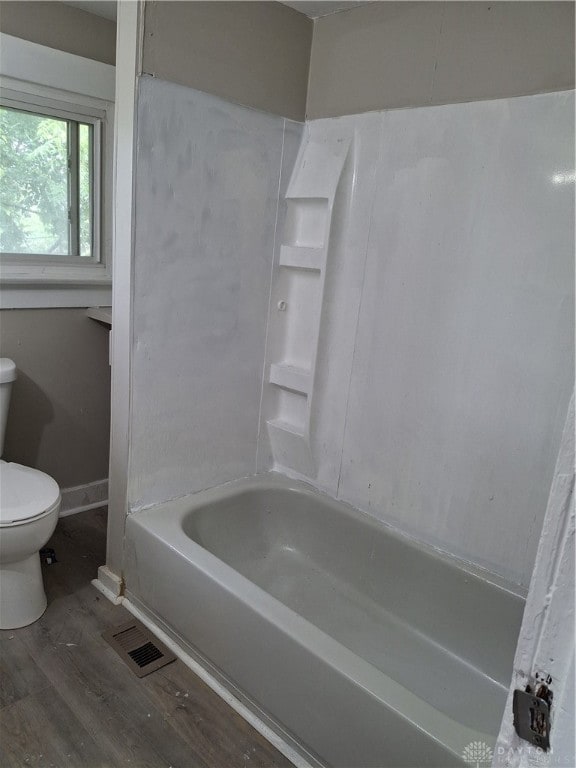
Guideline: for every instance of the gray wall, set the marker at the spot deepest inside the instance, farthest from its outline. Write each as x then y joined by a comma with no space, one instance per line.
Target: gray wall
59,418
60,26
402,54
252,53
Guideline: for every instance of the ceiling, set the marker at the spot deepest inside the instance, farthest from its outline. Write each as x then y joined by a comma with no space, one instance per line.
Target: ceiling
107,8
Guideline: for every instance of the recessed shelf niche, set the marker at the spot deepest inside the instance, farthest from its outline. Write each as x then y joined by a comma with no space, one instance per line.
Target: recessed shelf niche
297,324
306,222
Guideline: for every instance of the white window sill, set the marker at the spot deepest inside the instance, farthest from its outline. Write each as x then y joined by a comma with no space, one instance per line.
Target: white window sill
53,274
36,286
43,295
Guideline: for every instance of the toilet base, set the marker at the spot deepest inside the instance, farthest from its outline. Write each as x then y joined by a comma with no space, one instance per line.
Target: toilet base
22,596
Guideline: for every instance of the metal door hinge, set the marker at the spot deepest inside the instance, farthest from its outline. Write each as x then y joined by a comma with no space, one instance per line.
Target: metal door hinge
532,712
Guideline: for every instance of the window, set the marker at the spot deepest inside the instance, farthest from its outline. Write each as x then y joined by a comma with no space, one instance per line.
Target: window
56,170
49,184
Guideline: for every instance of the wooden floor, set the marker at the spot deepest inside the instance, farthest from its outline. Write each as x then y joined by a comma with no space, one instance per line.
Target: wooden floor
66,699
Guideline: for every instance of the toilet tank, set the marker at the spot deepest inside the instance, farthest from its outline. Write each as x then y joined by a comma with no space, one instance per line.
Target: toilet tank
7,376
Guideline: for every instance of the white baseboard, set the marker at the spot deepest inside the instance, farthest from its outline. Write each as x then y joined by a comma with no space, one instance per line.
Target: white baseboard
109,584
80,498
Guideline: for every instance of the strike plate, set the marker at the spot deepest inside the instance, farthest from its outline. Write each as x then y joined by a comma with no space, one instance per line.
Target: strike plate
532,717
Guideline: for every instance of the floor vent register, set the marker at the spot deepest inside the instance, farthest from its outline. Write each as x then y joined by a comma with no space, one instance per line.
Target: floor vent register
138,648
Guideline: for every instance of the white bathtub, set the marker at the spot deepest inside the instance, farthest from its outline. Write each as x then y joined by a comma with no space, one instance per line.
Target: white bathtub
365,647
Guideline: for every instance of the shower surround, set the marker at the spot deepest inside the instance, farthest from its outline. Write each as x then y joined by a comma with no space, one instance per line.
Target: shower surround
428,350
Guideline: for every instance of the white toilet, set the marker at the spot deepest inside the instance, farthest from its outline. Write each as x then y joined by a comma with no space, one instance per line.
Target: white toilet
29,507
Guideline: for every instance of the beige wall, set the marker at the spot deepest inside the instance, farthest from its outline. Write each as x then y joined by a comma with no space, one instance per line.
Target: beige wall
252,53
59,419
60,26
404,54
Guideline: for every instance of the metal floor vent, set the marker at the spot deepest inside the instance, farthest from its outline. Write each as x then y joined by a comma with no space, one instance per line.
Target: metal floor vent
138,648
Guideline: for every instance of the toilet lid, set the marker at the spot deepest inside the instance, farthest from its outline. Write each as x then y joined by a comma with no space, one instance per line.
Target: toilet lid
25,493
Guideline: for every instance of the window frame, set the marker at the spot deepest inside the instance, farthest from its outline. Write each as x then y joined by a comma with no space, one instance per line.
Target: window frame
43,107
53,79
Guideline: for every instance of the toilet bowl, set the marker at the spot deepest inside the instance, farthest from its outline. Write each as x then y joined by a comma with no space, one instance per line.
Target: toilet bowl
29,507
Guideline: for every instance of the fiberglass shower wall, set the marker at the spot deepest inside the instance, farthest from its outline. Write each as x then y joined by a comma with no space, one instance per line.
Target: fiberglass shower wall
444,360
443,357
207,186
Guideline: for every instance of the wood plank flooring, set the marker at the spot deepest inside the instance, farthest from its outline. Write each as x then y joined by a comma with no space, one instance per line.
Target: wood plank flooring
68,701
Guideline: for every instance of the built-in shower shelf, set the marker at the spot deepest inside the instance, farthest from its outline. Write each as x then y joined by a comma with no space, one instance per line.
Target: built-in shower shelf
277,425
290,377
297,301
301,257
